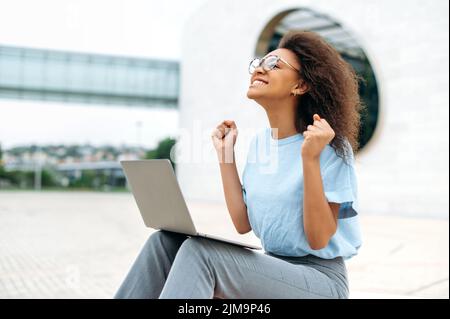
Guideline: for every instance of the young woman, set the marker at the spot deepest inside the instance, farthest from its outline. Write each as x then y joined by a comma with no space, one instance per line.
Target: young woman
301,203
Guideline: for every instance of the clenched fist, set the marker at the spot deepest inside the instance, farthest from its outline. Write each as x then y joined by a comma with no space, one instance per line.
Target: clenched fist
224,137
317,136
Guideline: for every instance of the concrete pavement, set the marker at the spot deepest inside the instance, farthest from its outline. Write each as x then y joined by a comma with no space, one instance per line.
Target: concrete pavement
81,244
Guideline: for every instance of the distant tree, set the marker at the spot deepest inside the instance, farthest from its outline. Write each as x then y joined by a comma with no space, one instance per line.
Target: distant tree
87,180
22,179
151,154
48,179
25,179
162,150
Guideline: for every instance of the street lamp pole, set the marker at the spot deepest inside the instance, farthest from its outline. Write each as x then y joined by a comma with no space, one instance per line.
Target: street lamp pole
38,172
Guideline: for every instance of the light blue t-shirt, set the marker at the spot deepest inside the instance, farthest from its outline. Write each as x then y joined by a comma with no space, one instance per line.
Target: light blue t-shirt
273,192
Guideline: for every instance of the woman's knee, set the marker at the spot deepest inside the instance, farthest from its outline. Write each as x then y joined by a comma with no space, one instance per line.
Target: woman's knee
195,246
165,239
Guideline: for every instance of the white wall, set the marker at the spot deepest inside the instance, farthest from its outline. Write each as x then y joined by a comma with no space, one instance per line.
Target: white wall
404,168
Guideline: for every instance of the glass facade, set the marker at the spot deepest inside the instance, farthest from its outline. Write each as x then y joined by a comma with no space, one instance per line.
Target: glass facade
38,74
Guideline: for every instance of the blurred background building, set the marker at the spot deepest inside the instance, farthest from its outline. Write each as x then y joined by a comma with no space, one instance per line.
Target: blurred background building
62,77
50,75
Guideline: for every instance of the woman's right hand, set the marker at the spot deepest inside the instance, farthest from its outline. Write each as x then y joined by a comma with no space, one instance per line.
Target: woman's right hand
224,138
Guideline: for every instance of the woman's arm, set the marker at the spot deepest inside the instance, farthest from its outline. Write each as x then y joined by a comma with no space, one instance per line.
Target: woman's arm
224,138
319,216
232,189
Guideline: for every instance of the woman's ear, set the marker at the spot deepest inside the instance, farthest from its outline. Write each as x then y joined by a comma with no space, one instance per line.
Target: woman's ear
300,88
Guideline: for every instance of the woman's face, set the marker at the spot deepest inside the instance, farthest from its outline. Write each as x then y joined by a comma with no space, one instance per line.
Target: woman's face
278,83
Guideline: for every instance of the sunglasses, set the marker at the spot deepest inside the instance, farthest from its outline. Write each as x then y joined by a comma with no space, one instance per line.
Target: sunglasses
268,63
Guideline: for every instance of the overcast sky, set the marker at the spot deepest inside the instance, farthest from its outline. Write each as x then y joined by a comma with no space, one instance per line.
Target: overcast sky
145,28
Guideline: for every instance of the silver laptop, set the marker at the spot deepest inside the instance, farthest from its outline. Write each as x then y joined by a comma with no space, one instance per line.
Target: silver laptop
158,196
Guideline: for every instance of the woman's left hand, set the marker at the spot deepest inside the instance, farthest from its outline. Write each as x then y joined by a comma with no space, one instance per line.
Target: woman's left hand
317,136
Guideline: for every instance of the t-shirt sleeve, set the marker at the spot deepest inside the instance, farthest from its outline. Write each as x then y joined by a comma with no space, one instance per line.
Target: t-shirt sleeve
250,157
244,195
340,184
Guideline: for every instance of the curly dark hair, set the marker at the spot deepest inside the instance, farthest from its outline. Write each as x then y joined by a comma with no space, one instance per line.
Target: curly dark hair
333,89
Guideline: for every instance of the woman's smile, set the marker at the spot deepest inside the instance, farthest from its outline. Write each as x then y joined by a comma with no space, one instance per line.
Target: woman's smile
257,83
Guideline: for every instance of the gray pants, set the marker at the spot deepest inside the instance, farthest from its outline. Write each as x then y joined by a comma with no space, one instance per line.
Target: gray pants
172,265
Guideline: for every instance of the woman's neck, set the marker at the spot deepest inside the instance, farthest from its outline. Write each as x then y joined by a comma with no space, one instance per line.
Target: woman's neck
282,118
